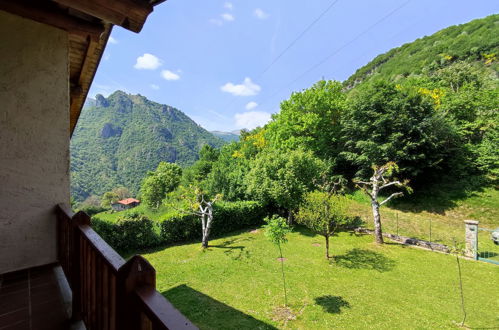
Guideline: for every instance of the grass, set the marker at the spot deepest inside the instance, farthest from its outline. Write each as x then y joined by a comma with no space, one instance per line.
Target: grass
424,215
236,283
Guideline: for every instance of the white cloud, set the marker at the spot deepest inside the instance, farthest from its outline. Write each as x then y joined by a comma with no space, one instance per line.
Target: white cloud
247,88
168,75
227,17
260,14
251,119
251,105
112,40
229,5
215,21
147,62
154,86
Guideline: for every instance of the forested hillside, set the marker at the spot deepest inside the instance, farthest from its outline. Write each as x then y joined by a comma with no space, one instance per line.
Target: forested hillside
476,41
119,138
428,108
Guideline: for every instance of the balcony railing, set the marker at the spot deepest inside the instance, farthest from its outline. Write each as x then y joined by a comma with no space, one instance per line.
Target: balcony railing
109,293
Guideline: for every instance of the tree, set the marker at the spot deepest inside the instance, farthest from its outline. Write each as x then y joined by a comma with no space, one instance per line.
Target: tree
276,230
157,184
387,122
282,178
378,182
324,213
122,192
310,119
109,198
194,200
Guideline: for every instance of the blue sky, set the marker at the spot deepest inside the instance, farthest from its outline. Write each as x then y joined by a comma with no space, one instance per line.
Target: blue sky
209,58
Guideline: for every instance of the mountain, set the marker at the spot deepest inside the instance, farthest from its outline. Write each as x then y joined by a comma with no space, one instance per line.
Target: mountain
227,136
476,41
121,137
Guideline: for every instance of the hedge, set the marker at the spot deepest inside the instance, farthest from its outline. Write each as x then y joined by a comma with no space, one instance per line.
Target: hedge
135,231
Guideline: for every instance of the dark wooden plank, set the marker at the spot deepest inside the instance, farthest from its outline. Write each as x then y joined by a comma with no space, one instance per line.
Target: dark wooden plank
48,12
128,14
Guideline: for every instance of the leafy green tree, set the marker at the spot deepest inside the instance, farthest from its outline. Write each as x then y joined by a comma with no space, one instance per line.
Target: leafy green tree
325,214
122,192
157,184
387,122
200,170
228,174
283,178
109,198
276,230
310,119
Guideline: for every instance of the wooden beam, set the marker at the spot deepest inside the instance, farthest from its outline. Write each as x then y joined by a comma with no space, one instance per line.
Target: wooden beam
129,14
49,13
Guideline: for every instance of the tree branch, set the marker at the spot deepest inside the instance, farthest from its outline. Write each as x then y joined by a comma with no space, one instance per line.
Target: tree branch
398,183
391,196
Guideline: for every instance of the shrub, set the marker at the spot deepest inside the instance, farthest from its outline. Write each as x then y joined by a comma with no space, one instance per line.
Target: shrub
131,231
134,230
227,217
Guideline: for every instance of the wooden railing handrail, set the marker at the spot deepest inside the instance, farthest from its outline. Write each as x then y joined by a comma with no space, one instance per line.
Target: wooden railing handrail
109,255
109,293
161,311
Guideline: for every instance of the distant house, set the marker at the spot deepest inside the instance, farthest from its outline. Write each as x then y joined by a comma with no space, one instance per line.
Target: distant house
125,204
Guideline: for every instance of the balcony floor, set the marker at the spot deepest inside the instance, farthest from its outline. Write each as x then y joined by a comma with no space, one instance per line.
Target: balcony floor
30,299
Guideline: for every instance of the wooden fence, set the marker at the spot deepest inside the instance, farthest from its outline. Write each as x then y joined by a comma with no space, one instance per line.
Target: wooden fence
109,293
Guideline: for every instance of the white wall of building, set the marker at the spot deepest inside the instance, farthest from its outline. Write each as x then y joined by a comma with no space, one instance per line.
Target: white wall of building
34,139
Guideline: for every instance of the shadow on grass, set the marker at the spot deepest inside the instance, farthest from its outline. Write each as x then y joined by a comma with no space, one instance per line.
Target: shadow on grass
128,254
302,230
236,252
332,304
209,313
441,196
364,259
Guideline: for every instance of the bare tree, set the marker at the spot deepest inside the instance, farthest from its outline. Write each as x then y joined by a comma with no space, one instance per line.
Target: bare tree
199,206
372,188
205,213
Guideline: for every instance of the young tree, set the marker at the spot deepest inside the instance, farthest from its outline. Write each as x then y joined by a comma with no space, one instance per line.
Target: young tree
378,182
157,184
325,214
276,230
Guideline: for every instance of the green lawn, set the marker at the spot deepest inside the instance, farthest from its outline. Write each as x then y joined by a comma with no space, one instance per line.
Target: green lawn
236,284
437,216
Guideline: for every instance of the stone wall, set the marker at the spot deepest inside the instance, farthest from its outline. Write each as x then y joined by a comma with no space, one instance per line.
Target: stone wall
34,140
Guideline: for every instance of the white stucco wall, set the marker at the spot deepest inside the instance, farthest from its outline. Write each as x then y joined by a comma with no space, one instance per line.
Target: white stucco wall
34,139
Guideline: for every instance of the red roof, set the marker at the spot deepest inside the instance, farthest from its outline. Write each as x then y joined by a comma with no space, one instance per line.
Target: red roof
128,201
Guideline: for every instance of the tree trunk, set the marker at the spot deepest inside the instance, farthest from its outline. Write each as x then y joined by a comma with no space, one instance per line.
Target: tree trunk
378,233
207,228
327,247
290,217
283,277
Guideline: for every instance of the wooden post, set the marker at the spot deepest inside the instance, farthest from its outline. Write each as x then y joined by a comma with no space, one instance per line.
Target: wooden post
135,273
80,218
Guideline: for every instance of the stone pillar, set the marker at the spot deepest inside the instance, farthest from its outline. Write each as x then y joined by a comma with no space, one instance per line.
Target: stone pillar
471,238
